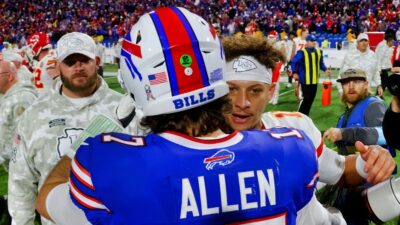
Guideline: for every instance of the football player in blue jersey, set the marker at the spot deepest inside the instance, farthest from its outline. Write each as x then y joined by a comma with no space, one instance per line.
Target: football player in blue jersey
188,171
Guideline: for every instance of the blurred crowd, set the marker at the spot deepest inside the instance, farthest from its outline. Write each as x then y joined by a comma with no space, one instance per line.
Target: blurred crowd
112,19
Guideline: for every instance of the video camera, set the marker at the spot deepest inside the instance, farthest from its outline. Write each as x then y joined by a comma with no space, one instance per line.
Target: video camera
383,200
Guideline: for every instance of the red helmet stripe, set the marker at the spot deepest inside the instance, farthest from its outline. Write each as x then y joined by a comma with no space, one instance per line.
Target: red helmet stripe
132,48
177,35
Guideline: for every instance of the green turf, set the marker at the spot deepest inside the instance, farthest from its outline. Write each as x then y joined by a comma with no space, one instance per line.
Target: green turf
109,67
323,116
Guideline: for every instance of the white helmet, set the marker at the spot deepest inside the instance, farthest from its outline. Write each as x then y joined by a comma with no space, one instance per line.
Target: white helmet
172,60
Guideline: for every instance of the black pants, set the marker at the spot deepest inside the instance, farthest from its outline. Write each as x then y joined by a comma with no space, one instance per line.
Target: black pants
290,77
309,92
353,208
384,78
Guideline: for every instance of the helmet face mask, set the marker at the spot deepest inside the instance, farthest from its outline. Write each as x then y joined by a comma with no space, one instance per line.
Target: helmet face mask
172,60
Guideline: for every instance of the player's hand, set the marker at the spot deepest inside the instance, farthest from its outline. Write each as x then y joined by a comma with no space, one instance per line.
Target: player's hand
333,134
395,69
379,164
126,110
295,76
296,91
328,72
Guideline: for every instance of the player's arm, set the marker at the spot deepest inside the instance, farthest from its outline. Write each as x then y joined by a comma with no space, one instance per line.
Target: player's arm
295,64
55,192
316,214
293,51
82,191
59,175
310,211
53,189
373,164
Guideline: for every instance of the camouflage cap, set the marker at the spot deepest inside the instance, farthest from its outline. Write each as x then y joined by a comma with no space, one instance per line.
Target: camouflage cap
355,74
76,42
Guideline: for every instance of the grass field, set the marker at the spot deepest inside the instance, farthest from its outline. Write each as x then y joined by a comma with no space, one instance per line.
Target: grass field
323,116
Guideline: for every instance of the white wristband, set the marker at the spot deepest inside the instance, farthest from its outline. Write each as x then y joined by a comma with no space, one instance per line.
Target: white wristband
360,164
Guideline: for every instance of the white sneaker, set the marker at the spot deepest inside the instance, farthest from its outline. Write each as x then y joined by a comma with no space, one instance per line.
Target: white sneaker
289,85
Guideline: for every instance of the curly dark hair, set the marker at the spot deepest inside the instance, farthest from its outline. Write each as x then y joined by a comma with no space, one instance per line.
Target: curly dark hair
255,46
195,122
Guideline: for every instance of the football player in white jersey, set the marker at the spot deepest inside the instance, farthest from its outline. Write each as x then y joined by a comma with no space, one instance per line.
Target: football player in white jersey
45,70
300,42
250,95
273,39
251,89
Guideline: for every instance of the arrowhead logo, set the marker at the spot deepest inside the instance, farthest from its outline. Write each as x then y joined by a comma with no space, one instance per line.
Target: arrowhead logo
64,142
243,65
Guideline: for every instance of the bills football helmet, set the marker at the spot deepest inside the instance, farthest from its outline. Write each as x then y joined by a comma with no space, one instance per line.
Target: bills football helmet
172,60
38,42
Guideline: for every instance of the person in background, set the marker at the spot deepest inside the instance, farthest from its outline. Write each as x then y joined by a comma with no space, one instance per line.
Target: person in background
384,53
17,96
53,122
325,44
273,40
100,50
391,120
306,67
117,51
363,58
24,75
391,123
44,58
290,52
362,121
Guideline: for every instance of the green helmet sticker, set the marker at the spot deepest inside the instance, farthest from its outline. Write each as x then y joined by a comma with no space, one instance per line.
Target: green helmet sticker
186,60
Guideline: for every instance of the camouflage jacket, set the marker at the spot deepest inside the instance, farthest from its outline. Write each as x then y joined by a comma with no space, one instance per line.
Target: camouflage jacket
12,105
44,133
24,74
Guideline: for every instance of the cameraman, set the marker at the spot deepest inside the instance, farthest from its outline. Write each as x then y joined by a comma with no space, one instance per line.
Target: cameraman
391,120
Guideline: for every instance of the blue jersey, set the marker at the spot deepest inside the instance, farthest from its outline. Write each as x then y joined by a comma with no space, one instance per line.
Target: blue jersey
252,177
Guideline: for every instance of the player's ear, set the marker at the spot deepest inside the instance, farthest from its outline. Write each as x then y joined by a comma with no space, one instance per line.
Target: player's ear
98,60
57,66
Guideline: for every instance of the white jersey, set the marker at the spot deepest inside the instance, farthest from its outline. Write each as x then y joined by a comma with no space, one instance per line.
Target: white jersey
300,43
289,49
44,134
330,164
44,73
281,46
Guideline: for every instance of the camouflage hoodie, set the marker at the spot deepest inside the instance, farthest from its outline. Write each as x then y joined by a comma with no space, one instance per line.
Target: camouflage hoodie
19,97
47,128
